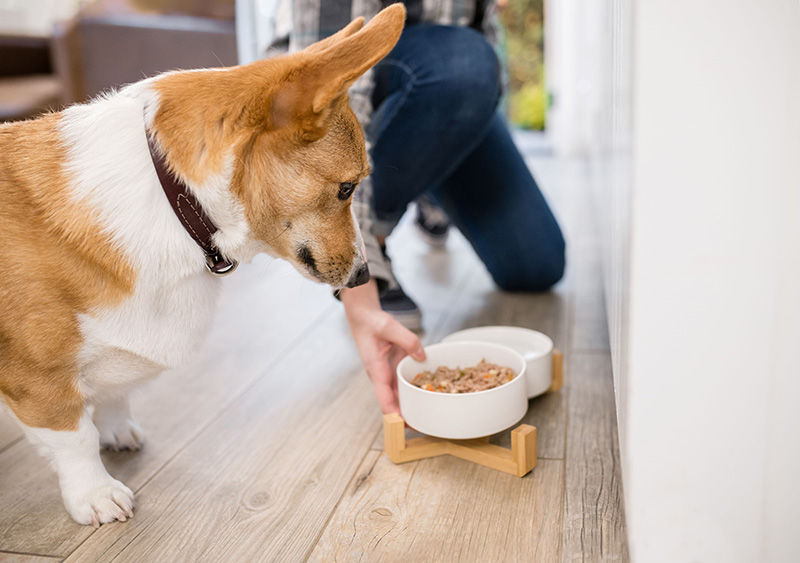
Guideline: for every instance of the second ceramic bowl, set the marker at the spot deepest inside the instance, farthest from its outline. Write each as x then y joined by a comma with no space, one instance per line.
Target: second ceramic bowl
536,348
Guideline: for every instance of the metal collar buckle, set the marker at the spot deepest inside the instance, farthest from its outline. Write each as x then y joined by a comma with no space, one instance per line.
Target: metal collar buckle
219,265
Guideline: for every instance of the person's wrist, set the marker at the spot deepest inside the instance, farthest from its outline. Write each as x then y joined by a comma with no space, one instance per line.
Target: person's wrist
363,296
362,307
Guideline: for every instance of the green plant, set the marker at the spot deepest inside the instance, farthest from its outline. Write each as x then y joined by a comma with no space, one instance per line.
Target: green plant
523,22
527,106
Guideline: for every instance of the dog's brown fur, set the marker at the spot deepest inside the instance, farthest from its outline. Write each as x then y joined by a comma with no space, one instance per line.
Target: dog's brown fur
57,264
294,139
275,114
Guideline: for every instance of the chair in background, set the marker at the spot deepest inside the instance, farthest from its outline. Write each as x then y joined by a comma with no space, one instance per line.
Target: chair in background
27,83
115,42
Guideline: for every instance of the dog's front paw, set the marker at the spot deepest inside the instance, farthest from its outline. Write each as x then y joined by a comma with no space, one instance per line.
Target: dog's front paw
120,434
109,502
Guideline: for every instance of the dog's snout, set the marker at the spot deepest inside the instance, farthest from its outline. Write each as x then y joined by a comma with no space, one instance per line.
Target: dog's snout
360,277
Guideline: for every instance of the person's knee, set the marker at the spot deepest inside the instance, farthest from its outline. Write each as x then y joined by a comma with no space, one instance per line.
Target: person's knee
535,274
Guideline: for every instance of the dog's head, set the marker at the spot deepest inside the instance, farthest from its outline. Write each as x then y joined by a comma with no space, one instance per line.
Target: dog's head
294,147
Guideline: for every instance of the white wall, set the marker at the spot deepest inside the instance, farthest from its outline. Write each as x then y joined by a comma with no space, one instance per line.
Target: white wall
696,161
612,180
569,35
712,454
256,27
589,60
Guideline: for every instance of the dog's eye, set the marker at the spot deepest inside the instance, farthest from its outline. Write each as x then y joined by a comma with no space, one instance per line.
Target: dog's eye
346,190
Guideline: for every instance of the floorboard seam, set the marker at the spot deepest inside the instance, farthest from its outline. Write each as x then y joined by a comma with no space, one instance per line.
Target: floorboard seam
11,444
26,553
568,389
339,501
261,372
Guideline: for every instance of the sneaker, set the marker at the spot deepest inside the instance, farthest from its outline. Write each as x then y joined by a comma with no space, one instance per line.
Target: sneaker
431,221
395,302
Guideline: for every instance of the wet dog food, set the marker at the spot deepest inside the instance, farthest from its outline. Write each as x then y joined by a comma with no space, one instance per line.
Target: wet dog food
464,380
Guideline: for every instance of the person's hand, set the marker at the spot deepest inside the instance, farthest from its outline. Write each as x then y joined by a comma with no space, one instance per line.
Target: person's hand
382,341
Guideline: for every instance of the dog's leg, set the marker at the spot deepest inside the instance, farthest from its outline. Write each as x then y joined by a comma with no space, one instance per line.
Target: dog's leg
91,495
118,429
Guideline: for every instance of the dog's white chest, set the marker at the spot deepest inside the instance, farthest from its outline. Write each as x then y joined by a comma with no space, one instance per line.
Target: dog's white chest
158,327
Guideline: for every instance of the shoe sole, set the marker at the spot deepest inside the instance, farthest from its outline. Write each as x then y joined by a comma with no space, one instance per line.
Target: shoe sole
433,240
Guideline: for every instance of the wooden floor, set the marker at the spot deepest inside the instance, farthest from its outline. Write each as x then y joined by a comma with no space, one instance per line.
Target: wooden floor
268,446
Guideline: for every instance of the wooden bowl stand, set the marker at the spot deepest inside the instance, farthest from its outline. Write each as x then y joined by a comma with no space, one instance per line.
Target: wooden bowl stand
519,460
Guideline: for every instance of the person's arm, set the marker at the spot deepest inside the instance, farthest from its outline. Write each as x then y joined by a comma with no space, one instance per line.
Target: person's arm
381,341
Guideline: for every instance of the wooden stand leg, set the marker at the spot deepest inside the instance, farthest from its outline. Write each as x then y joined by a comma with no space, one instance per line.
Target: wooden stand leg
558,371
519,460
523,445
394,436
400,451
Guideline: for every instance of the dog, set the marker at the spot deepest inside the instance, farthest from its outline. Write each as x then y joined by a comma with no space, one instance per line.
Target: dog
117,218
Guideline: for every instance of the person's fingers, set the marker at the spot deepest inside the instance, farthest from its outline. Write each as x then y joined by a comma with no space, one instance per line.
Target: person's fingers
399,335
385,391
395,355
387,399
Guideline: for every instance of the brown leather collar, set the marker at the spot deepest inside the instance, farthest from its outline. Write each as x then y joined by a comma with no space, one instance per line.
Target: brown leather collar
191,215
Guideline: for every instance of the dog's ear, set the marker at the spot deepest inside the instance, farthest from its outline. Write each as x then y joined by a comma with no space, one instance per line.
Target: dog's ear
343,33
328,68
343,61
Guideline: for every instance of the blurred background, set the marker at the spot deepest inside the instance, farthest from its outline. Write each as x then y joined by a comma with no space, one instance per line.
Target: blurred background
523,23
55,52
683,117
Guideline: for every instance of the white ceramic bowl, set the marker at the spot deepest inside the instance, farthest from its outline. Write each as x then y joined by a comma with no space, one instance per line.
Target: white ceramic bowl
536,348
462,416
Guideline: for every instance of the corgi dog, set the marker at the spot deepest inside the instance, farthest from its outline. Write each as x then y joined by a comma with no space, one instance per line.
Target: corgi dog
118,216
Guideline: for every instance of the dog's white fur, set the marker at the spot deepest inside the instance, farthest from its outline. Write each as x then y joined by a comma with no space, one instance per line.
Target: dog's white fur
109,170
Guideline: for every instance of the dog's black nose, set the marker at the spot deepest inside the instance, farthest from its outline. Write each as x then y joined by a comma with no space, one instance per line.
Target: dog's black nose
360,277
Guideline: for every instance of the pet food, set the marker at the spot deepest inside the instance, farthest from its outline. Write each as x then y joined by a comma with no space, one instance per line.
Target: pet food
464,380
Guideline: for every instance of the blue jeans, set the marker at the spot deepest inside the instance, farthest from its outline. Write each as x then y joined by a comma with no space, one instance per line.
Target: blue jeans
436,130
